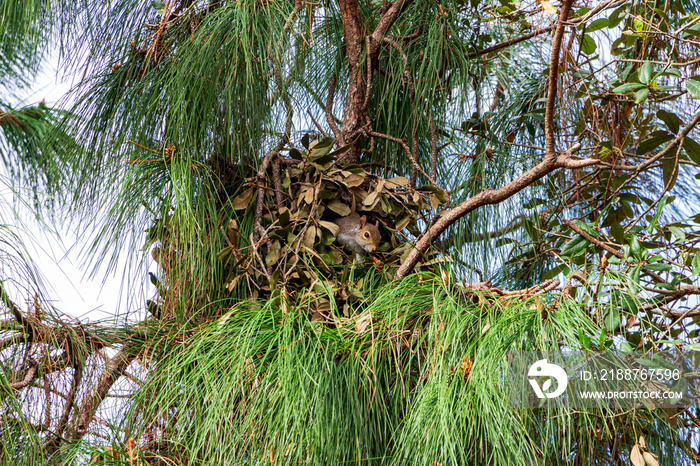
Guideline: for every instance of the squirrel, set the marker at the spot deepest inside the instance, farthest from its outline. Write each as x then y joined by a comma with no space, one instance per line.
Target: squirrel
357,234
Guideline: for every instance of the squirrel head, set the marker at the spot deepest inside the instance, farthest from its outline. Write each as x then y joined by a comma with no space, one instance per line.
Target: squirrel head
368,235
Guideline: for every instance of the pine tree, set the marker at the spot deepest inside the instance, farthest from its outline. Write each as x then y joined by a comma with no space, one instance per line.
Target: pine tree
530,167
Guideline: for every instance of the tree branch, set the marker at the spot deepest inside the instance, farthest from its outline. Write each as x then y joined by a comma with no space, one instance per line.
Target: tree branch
553,80
490,197
114,369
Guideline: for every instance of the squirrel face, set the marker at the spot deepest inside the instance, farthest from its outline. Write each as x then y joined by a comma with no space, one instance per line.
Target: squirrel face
357,234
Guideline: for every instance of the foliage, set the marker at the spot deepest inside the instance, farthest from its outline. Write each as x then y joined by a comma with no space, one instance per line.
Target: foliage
547,152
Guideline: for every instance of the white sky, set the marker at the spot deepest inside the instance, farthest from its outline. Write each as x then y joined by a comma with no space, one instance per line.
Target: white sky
57,256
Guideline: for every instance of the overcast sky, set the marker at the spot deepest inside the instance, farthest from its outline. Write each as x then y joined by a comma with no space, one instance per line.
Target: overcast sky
57,256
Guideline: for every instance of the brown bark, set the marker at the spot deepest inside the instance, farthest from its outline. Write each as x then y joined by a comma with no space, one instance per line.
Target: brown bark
551,162
361,49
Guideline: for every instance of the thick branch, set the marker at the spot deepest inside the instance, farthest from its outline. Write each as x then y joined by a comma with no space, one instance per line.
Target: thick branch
26,324
492,196
115,368
385,22
553,80
509,42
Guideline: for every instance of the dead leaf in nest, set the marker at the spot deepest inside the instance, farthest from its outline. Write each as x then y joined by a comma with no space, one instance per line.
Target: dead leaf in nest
363,321
636,456
650,459
243,200
466,367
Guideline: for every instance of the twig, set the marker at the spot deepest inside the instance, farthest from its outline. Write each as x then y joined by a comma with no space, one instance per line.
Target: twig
545,286
553,80
406,149
329,106
509,42
316,123
433,146
490,197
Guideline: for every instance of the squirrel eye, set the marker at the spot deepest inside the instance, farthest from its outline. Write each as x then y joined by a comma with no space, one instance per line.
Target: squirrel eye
366,234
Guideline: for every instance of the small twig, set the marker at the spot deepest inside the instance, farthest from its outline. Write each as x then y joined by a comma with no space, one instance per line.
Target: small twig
142,147
316,123
28,377
406,149
433,146
329,106
277,180
509,42
553,80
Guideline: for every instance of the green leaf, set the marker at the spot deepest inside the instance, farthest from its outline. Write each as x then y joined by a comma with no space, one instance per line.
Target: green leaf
660,137
617,16
588,45
321,148
295,154
696,264
693,347
692,148
635,247
658,267
628,87
670,120
574,246
678,233
629,304
659,208
641,95
670,170
645,72
158,5
598,24
693,88
612,320
584,339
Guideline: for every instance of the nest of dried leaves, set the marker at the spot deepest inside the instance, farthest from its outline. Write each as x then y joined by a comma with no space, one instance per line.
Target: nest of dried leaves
290,252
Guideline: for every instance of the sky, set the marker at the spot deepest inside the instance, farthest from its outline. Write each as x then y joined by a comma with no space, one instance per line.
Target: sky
57,255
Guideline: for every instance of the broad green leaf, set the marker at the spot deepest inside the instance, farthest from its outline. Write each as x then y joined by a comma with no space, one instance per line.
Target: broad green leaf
612,320
617,16
584,340
574,246
653,142
321,148
588,45
658,267
635,247
692,148
628,87
696,264
645,72
597,24
670,120
693,88
641,95
678,233
670,171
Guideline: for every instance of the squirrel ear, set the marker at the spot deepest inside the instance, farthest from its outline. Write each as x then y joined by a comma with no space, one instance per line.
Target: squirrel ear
363,221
